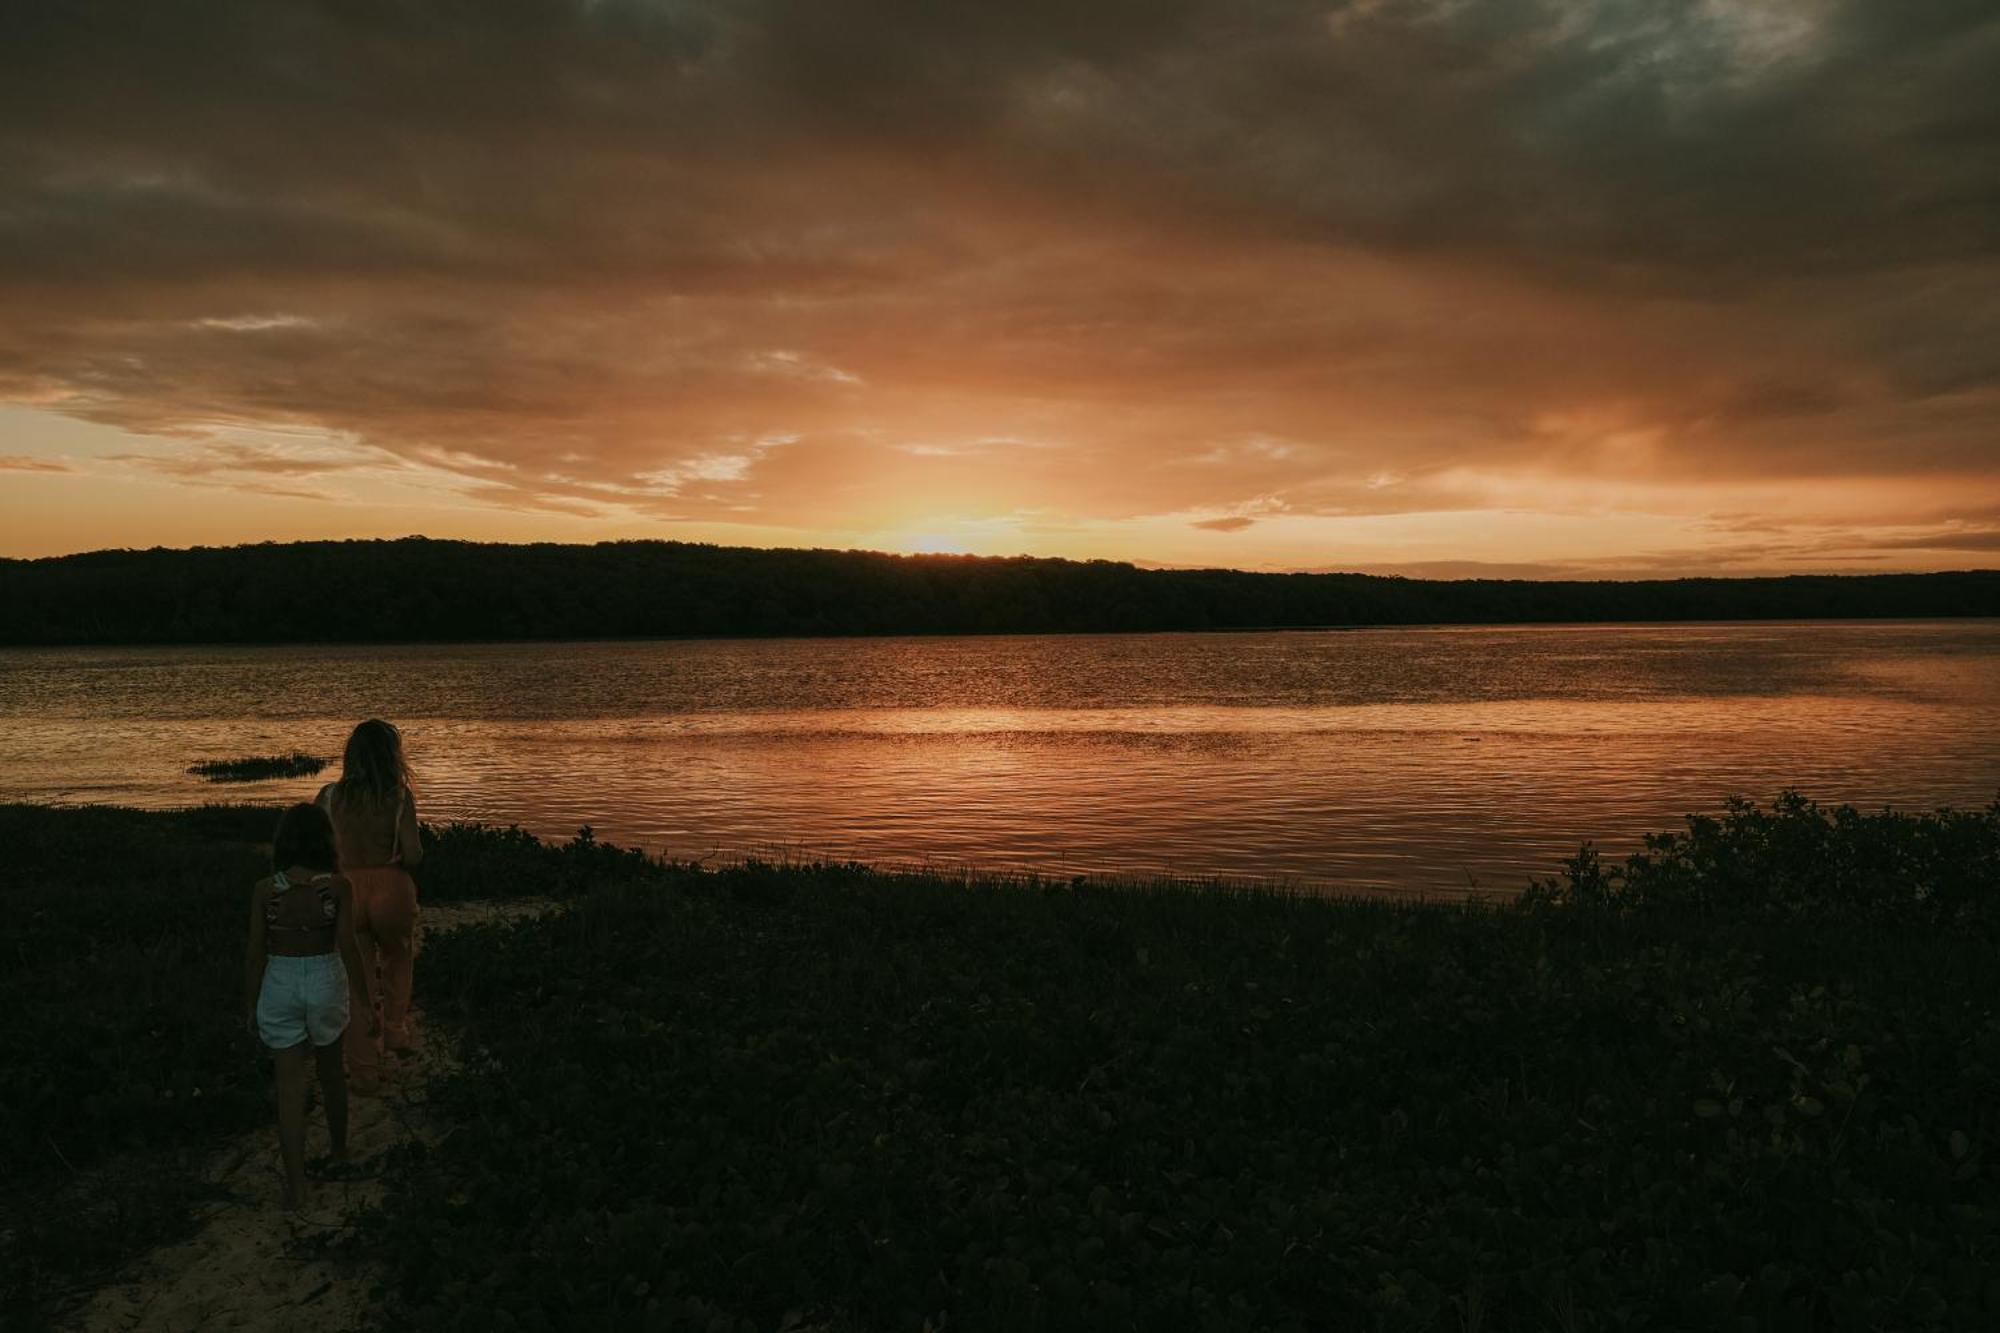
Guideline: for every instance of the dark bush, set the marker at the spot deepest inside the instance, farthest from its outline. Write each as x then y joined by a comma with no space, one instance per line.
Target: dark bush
1798,861
294,765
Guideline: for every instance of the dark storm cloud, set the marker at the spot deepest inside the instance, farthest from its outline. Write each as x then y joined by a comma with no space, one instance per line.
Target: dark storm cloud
1697,136
705,259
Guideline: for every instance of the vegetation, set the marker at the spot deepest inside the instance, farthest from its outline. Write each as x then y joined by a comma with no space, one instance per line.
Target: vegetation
1692,1090
1798,867
1747,1078
120,1001
439,590
120,1033
294,765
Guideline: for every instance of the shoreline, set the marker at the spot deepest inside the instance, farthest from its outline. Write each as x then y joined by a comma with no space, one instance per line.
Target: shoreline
801,859
786,858
1362,627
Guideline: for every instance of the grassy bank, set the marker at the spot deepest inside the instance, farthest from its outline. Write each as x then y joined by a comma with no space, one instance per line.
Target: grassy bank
1750,1080
119,1037
123,1063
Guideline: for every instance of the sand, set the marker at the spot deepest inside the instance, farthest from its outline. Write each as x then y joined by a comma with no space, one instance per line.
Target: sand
249,1264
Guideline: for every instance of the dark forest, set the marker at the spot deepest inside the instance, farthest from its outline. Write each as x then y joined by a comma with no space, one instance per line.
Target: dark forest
417,589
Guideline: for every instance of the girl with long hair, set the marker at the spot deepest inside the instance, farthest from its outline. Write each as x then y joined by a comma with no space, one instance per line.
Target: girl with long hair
374,817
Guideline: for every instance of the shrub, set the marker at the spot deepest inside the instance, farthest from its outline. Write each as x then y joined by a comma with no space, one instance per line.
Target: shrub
1798,861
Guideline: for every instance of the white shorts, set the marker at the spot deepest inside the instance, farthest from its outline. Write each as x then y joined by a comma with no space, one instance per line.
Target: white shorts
302,999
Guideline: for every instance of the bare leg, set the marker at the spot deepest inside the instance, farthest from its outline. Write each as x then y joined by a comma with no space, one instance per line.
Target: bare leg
364,1054
397,959
291,1067
333,1091
393,919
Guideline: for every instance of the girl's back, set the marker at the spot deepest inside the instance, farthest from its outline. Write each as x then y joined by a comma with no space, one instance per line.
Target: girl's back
375,828
301,909
371,831
302,978
374,816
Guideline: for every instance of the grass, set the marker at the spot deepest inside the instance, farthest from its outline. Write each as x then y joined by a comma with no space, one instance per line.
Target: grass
1748,1079
259,768
1669,1094
120,995
125,1064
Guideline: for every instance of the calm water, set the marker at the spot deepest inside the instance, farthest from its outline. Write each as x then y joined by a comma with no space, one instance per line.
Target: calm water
1413,758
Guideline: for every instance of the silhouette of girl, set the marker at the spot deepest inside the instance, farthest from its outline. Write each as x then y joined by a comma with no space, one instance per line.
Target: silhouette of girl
375,829
300,967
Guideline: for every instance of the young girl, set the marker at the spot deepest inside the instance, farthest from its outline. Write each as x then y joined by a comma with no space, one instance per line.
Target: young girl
375,829
298,975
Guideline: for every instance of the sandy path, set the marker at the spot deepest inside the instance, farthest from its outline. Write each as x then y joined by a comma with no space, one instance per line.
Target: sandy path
249,1265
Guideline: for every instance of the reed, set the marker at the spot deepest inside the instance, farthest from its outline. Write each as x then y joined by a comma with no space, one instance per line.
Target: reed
258,768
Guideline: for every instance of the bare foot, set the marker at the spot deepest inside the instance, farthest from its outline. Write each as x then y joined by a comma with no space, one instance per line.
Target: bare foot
336,1168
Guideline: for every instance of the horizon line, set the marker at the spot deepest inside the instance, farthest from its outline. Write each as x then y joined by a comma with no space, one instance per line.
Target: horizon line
1470,568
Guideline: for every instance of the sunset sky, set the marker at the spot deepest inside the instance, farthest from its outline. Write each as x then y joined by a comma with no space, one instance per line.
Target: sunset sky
1509,287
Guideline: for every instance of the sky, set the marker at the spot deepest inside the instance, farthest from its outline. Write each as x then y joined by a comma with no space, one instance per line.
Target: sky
1533,288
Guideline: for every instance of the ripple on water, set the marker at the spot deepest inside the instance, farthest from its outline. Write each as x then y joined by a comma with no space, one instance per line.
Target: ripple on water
1429,757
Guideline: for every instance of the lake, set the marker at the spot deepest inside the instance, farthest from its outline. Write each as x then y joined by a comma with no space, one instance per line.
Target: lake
1388,759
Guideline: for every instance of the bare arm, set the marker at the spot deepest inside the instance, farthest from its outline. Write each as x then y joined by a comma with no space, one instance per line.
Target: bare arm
358,980
253,957
409,836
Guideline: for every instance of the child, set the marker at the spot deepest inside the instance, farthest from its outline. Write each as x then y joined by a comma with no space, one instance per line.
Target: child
297,978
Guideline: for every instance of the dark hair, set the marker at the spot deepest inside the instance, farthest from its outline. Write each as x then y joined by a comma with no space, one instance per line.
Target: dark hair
373,772
304,838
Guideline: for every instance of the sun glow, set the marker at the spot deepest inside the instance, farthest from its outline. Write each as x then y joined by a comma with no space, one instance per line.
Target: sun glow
936,542
956,534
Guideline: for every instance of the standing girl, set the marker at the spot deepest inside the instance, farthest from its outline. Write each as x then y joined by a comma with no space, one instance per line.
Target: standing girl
375,830
301,965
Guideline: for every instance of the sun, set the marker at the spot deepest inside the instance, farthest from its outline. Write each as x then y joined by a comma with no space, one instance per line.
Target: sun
937,542
948,533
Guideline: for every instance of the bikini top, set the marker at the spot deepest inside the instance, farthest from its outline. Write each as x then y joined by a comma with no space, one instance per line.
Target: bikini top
329,906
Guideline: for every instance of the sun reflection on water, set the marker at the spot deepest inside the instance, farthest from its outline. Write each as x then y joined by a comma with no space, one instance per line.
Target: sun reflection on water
1396,758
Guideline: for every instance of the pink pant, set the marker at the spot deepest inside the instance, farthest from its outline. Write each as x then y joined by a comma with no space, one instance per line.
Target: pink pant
385,926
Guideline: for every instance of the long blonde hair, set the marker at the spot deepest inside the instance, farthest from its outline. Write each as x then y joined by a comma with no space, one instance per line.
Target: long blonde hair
373,771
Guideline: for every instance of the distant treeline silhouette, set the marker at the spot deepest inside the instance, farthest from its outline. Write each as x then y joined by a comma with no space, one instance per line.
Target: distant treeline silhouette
418,589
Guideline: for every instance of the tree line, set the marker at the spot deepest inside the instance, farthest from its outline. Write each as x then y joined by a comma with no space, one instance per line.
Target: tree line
420,589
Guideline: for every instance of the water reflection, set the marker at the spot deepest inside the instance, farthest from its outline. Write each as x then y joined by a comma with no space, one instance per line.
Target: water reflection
1412,758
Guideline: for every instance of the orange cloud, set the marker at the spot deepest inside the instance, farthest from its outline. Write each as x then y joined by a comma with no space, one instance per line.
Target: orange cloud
1381,284
23,463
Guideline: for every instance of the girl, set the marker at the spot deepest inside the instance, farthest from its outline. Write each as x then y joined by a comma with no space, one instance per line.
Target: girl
375,830
301,965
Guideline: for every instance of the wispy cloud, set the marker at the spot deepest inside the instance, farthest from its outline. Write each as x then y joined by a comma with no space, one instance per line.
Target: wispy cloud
1360,258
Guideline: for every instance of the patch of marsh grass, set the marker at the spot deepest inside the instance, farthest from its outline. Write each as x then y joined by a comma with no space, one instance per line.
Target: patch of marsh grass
258,768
